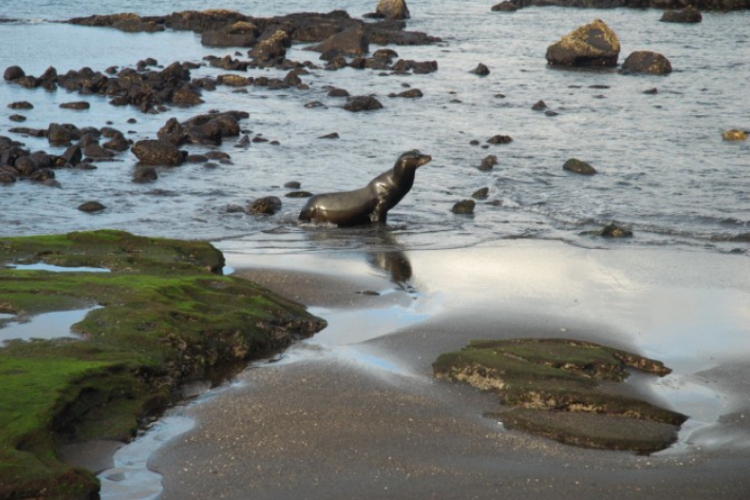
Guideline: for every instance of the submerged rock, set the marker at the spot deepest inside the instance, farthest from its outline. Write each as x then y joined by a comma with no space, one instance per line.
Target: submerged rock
593,45
613,230
562,389
91,207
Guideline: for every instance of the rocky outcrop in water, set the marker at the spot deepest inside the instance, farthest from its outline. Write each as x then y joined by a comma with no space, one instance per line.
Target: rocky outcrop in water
301,27
352,42
703,5
390,9
362,103
688,15
646,62
592,45
579,167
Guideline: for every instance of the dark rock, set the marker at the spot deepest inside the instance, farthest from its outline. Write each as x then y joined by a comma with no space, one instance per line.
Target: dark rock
298,194
25,166
271,47
17,118
488,163
186,96
392,9
505,7
244,142
646,62
590,45
481,194
579,167
384,54
338,93
265,206
158,152
549,112
481,70
21,105
652,91
687,15
332,135
217,155
539,106
62,134
614,231
314,104
500,139
144,174
78,105
363,103
464,207
409,94
173,132
196,159
117,143
73,155
97,152
293,185
352,42
91,207
240,34
42,175
13,73
7,177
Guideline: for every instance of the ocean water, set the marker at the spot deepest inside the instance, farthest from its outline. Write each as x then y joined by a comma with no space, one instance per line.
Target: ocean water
664,170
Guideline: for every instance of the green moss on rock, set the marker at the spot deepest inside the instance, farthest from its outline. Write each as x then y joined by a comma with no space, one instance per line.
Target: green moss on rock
168,317
559,389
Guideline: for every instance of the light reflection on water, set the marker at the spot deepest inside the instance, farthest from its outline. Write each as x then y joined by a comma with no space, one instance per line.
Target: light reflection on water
47,326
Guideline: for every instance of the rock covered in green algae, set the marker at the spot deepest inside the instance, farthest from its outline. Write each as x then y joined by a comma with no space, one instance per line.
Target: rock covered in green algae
168,317
558,389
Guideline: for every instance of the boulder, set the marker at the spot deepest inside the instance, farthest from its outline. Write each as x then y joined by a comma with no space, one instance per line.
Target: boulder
265,206
91,207
505,7
500,139
144,174
157,152
646,62
77,105
591,45
685,16
488,163
362,103
13,73
579,167
271,47
481,70
481,194
464,207
352,42
392,9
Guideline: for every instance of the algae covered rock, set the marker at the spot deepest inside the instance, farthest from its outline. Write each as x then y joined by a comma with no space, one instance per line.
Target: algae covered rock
166,316
561,389
646,62
591,45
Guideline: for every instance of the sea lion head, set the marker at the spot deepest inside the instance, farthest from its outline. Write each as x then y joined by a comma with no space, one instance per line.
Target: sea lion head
411,160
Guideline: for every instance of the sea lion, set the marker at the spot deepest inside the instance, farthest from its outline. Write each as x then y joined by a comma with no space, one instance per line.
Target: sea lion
370,203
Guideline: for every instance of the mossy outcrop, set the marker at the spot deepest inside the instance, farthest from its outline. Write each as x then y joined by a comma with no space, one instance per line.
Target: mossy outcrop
167,316
562,389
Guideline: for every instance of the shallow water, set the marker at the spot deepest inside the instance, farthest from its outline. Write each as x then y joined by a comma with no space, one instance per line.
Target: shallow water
47,326
664,169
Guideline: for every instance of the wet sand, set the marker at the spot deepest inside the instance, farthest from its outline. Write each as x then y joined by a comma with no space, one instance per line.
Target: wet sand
355,412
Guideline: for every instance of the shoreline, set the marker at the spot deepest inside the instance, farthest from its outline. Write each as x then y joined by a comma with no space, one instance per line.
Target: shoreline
336,416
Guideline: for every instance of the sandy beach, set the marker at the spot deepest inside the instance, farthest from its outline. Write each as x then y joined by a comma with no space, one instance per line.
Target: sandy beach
355,412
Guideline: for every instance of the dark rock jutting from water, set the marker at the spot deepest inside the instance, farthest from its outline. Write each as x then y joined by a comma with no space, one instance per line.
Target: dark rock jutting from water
688,15
593,45
646,62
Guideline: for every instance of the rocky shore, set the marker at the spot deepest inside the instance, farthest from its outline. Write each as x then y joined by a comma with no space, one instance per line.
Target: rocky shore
166,317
